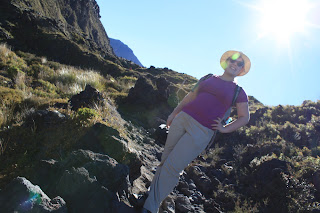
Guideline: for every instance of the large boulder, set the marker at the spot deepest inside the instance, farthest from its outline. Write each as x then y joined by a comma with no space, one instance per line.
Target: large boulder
160,134
87,98
103,139
145,94
109,173
84,193
88,181
22,196
163,91
183,204
44,118
269,181
148,102
202,181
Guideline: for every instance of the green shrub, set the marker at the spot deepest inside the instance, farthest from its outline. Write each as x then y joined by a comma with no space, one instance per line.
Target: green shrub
128,78
10,61
173,100
47,86
13,71
315,151
85,115
40,71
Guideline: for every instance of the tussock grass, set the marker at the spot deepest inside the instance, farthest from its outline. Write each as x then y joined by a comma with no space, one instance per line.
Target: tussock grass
70,80
10,61
4,51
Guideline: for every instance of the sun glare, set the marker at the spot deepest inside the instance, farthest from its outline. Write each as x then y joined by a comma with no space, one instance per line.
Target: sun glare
281,19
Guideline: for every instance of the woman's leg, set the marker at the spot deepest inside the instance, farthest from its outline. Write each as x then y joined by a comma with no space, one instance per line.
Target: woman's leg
185,150
176,131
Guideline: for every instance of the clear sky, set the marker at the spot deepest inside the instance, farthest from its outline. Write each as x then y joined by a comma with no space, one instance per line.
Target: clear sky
281,37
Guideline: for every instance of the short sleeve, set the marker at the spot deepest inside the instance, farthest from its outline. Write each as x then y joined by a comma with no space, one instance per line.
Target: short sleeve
242,97
201,79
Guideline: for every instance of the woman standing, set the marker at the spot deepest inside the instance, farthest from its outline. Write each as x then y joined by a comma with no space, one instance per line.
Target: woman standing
193,122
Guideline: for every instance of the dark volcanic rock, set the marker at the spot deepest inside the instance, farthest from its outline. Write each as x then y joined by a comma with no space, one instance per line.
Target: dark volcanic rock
86,98
22,196
202,181
270,182
144,94
163,91
83,193
270,170
168,205
160,135
67,31
108,172
104,139
88,182
183,204
44,119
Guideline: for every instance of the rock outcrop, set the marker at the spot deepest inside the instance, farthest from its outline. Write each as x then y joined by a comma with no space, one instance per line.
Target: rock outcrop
87,98
22,196
67,31
87,181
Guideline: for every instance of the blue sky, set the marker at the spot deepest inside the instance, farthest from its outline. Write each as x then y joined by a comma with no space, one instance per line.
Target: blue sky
282,39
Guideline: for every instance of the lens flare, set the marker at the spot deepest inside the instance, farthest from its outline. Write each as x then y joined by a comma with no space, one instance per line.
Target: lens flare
224,65
235,56
34,198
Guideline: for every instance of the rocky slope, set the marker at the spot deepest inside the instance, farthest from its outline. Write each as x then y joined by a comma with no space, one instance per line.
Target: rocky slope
86,138
122,50
67,31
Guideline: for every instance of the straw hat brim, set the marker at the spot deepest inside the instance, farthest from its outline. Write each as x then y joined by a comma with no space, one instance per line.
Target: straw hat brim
247,63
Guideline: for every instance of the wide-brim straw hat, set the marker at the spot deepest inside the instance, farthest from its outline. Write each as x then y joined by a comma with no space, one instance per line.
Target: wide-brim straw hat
230,53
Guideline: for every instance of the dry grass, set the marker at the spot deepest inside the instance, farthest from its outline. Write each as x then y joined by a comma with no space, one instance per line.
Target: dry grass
71,80
10,59
4,51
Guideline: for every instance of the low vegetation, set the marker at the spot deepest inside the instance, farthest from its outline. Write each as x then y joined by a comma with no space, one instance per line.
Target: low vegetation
284,135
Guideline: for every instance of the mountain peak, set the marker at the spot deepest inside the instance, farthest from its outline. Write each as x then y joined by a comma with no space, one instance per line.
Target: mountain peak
122,50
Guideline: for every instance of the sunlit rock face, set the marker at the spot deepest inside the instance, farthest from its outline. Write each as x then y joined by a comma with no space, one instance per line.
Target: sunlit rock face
68,31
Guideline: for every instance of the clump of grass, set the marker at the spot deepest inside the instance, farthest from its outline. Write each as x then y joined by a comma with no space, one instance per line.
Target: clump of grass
10,62
70,80
85,116
125,83
6,114
258,161
4,51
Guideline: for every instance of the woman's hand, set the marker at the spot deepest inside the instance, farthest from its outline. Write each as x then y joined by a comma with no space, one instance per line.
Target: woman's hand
218,126
170,119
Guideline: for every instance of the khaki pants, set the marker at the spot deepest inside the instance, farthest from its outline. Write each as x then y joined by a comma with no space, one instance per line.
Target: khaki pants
187,138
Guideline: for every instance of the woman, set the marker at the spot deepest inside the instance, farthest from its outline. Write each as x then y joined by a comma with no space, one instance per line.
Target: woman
193,122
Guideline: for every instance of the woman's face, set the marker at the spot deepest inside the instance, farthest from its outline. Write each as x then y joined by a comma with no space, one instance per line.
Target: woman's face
234,67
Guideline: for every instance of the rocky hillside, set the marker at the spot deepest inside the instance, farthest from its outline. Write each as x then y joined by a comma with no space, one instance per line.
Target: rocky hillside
66,30
68,147
122,50
85,138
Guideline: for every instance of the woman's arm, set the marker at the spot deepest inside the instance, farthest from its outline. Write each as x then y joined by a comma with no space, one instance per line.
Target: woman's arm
188,98
243,119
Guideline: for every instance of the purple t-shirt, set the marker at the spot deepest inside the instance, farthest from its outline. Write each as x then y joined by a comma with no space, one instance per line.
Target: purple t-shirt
213,100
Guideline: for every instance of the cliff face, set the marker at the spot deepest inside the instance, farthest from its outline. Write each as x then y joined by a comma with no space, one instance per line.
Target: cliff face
83,16
68,31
